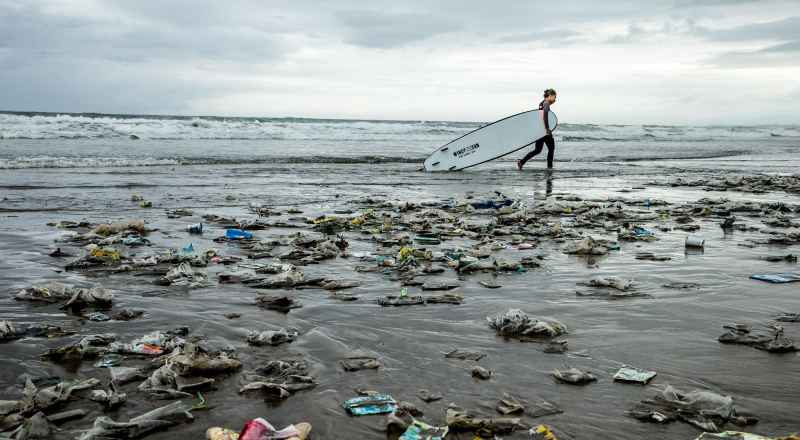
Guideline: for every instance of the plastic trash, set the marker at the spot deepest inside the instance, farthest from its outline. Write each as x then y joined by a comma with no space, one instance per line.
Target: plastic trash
367,405
392,300
427,240
736,435
768,338
196,228
464,355
777,278
238,234
695,241
492,204
574,376
788,317
481,373
516,323
98,317
459,419
634,375
135,240
260,429
428,396
703,409
356,363
108,361
188,249
272,337
155,420
110,399
542,432
422,431
217,433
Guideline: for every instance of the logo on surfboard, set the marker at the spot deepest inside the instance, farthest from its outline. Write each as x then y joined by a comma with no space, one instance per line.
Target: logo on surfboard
466,151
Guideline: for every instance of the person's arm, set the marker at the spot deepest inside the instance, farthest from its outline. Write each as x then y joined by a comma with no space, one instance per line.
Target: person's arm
546,116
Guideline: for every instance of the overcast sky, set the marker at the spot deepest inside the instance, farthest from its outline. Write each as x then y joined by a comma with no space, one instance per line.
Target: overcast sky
612,61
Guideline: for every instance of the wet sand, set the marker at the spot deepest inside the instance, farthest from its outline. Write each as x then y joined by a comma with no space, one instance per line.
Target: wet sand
671,331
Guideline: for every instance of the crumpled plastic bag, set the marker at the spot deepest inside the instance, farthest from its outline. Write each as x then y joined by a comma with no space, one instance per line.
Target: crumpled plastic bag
106,229
41,399
516,323
278,379
184,275
612,282
8,331
703,409
158,419
94,297
271,337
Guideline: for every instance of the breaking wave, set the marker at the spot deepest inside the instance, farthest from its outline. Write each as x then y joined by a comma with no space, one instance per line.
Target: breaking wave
110,162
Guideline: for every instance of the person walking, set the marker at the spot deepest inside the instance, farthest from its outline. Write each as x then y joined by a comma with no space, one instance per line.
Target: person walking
544,106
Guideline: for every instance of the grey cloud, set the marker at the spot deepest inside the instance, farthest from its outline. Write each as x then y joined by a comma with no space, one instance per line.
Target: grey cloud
690,3
790,47
153,56
385,30
780,30
548,37
784,54
33,30
633,34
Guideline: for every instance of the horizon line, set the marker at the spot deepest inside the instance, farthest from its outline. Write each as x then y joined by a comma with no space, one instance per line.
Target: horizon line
189,116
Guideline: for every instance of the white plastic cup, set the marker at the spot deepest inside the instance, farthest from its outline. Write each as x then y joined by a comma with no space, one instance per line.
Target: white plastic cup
695,241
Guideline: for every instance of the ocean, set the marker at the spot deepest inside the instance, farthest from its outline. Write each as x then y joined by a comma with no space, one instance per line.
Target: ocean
46,140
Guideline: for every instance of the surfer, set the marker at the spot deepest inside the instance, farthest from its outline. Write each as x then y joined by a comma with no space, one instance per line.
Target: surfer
549,99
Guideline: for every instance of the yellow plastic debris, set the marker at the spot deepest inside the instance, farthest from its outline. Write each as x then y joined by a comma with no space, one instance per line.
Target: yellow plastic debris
543,432
105,253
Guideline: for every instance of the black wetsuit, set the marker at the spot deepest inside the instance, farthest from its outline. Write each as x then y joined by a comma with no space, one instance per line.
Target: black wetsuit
547,140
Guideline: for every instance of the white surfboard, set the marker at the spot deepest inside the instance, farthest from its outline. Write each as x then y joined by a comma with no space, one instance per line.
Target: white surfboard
491,141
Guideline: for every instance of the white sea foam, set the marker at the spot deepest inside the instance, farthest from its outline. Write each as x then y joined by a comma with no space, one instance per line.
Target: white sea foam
67,126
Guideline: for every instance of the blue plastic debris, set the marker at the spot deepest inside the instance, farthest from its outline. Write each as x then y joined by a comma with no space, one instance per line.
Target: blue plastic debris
423,431
777,278
135,240
98,317
377,404
109,360
642,232
238,234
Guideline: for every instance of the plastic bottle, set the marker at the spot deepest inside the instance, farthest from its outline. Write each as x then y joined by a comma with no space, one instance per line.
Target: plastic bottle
196,228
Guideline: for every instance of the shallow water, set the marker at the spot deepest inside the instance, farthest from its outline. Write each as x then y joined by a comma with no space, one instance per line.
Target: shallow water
673,332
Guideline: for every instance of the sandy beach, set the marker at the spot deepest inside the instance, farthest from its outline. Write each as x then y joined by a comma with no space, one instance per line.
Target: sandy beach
655,326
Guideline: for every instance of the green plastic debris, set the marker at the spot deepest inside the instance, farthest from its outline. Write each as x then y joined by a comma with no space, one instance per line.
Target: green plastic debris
201,405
